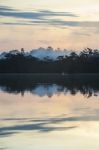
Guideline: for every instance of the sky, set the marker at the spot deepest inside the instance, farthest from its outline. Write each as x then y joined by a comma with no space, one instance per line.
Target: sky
70,24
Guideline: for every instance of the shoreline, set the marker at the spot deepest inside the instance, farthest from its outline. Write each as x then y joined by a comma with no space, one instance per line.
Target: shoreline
51,74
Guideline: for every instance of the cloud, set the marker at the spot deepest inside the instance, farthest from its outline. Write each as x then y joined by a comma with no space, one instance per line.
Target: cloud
57,23
6,8
43,17
39,14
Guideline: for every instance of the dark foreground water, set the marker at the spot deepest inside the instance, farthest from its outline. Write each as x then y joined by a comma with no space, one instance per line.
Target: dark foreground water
43,112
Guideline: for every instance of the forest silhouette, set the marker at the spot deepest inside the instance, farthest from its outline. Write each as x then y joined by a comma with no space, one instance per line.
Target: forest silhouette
87,61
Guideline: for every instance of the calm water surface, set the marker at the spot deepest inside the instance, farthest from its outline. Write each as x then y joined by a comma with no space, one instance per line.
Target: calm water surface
49,113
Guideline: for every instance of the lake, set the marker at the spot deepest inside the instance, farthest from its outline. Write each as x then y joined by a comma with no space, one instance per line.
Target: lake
43,112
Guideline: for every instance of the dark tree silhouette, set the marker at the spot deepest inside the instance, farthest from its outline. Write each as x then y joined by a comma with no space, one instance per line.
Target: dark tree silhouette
87,61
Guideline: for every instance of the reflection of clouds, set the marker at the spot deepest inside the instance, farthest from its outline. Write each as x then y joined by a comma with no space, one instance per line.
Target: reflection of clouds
49,90
37,125
6,134
43,125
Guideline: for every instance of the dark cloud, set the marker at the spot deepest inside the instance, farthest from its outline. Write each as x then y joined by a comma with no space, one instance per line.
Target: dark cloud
6,8
43,17
16,23
57,23
40,14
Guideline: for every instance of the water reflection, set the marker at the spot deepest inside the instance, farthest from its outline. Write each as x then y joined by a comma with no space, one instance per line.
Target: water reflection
43,85
49,112
43,125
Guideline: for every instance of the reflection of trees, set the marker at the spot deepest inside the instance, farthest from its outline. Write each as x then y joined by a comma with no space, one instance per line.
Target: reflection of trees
50,84
86,91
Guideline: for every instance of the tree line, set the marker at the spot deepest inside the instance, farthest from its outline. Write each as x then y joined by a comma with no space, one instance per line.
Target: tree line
87,61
